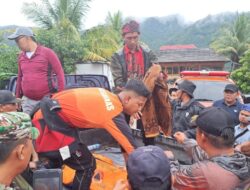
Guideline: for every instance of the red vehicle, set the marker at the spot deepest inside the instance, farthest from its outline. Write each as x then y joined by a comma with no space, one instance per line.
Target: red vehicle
209,84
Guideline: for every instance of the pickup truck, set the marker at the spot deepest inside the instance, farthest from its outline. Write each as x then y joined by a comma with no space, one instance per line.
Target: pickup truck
100,136
209,85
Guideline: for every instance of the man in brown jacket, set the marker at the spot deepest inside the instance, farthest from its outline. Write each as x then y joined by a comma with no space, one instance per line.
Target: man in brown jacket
131,62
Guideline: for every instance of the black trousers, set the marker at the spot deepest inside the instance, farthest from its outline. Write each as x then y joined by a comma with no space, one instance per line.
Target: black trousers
146,141
83,162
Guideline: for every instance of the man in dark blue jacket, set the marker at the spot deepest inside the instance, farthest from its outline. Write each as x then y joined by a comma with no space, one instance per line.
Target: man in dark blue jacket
230,103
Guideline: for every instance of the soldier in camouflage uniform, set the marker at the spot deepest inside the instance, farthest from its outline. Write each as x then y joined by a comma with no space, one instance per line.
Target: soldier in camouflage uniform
16,134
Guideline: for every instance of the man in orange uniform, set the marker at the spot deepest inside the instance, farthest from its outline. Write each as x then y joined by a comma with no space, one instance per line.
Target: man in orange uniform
60,117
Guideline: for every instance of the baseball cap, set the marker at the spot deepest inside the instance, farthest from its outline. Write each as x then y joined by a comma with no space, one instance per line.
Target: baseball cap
214,120
15,126
246,107
21,31
187,86
147,163
231,87
7,97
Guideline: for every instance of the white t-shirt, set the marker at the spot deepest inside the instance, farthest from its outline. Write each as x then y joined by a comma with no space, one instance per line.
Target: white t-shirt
29,54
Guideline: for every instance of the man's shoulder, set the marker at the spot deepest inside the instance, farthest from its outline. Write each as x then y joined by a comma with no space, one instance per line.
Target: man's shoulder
145,47
48,53
197,104
119,51
237,127
238,104
194,103
42,48
218,102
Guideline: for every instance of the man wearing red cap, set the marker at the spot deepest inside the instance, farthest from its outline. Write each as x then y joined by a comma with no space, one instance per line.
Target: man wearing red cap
133,60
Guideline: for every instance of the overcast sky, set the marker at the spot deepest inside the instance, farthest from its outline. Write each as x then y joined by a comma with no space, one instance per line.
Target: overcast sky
191,10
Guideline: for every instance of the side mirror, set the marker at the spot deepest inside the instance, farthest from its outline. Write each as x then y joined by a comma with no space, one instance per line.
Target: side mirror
172,90
246,98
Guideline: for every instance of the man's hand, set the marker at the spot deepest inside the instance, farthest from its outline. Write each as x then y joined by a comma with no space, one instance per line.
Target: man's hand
121,185
180,137
34,160
137,115
169,154
119,88
245,148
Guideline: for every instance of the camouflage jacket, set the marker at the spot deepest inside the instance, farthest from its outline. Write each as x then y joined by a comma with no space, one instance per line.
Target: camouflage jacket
119,68
19,183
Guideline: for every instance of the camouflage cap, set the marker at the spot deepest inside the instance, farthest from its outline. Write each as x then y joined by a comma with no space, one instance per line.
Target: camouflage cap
15,126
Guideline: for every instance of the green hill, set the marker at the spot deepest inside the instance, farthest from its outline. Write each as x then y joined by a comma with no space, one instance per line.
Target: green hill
158,31
173,30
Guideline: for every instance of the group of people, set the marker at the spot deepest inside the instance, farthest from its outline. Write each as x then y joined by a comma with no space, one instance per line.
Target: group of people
216,138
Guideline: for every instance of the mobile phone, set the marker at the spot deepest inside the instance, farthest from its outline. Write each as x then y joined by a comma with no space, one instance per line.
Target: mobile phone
47,179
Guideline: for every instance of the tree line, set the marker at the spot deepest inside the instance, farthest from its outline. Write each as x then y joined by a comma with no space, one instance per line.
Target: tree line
60,25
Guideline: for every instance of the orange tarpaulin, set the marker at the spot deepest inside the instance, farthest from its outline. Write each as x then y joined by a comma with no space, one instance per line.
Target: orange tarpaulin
105,177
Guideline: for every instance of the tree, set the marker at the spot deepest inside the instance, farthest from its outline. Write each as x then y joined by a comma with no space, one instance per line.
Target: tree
242,75
234,40
8,59
100,43
8,62
69,51
115,21
61,21
48,15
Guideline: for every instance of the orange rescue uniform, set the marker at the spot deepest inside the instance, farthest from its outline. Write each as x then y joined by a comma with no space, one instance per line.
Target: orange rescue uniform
93,108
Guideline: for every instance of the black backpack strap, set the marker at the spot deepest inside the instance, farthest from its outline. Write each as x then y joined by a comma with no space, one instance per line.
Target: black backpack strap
241,134
50,108
52,89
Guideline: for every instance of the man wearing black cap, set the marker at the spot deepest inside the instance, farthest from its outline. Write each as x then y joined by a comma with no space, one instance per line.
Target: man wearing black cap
217,166
8,102
230,103
36,66
148,169
184,108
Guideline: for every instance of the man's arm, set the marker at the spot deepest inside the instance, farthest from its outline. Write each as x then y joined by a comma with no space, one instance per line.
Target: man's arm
245,148
57,69
117,71
187,176
152,57
19,92
122,133
191,147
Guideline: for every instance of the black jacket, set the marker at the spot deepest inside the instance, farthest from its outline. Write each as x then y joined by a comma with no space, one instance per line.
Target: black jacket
182,116
119,68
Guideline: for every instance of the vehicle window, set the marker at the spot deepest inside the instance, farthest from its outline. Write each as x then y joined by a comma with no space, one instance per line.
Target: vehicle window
209,90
